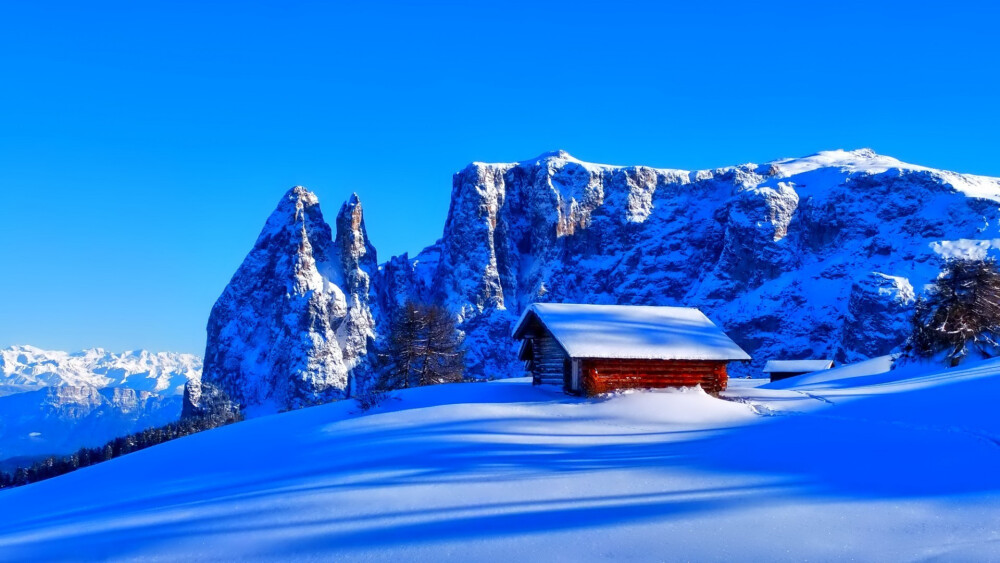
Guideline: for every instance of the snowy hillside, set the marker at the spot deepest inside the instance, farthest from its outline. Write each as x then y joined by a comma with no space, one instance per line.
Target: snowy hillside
819,256
892,470
54,402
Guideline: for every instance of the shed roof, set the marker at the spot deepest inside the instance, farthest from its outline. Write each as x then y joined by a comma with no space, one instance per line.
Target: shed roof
796,366
632,332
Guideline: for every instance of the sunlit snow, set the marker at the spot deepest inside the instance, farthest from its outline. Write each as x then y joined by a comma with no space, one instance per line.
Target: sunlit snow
900,467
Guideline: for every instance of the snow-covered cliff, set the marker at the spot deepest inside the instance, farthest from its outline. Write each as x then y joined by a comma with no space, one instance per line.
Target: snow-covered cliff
821,256
296,318
810,257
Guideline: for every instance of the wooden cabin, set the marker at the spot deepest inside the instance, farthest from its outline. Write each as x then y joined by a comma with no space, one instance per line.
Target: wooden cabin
783,369
593,349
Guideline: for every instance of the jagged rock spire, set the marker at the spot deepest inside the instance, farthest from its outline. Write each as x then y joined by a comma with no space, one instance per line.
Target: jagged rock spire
357,255
290,326
359,264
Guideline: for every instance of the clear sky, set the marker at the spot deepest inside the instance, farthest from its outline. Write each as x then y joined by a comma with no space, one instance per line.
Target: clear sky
143,144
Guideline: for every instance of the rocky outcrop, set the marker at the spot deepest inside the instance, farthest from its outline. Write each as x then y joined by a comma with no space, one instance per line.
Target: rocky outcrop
294,324
359,265
876,320
202,399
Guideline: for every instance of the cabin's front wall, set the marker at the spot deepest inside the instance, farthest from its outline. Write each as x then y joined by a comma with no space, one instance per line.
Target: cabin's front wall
545,359
602,376
550,363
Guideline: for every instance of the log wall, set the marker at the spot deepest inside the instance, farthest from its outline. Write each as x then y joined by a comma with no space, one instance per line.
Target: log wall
549,363
602,376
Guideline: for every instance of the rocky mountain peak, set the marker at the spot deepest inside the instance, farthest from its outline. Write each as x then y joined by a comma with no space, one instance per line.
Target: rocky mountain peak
359,264
285,332
352,237
302,196
556,154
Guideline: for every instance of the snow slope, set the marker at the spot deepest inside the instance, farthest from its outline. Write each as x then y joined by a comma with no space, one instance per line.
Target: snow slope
901,470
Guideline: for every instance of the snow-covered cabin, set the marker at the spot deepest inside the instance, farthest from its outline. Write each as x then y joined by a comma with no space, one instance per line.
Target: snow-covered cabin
783,369
591,349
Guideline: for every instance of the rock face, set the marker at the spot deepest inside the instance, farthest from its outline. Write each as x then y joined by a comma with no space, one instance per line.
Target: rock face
54,402
877,312
296,319
798,258
819,256
202,398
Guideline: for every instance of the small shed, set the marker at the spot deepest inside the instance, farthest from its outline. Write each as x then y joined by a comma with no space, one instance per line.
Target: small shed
592,349
783,369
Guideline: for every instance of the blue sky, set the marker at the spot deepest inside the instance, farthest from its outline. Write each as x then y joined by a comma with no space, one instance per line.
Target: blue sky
143,144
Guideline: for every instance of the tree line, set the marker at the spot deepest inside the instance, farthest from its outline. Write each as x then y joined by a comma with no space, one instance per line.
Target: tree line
85,457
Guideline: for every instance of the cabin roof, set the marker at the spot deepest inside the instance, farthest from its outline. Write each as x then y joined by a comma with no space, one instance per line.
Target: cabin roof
796,366
632,332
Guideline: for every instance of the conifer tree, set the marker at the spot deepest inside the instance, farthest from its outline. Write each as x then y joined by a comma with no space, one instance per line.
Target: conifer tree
443,358
424,348
960,315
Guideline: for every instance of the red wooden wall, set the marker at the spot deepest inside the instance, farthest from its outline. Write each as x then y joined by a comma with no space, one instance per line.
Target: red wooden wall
602,376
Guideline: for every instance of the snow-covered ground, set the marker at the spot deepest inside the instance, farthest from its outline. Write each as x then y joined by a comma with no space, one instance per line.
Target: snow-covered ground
891,469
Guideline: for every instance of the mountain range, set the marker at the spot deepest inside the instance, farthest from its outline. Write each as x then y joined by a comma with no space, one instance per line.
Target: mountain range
814,257
54,402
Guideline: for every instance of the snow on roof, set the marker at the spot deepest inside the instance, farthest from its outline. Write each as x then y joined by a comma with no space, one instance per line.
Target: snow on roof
796,366
633,332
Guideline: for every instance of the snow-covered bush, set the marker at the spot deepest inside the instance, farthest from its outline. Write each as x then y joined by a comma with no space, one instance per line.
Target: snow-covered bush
371,397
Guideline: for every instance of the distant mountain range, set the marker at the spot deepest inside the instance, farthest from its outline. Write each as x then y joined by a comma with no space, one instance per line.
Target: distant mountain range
821,256
55,402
